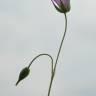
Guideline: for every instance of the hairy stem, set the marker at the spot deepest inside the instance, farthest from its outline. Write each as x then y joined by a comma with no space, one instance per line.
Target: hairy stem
54,70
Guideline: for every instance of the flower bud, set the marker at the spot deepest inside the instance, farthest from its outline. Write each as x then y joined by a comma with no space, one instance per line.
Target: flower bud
62,6
23,74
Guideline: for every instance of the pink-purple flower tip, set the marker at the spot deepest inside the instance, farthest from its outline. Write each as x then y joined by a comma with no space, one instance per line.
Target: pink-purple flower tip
62,6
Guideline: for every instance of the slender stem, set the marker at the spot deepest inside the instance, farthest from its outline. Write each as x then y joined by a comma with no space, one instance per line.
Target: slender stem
54,70
61,43
49,90
40,56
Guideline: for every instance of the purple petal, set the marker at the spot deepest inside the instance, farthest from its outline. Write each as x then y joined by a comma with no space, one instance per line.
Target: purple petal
58,2
66,3
63,5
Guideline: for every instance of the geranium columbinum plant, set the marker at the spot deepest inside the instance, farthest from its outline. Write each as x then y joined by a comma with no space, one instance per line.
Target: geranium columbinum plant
63,6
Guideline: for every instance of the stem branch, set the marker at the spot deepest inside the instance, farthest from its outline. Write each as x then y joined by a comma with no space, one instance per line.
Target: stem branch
40,56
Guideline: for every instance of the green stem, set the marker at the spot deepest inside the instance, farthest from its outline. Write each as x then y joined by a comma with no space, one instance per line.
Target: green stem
44,54
54,70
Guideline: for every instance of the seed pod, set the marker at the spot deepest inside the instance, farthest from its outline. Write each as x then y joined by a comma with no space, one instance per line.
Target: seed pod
23,74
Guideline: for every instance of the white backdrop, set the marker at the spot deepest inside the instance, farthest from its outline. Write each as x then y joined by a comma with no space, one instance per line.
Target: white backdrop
30,27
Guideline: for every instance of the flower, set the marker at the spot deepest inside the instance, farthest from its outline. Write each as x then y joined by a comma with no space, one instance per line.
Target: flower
23,74
62,6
